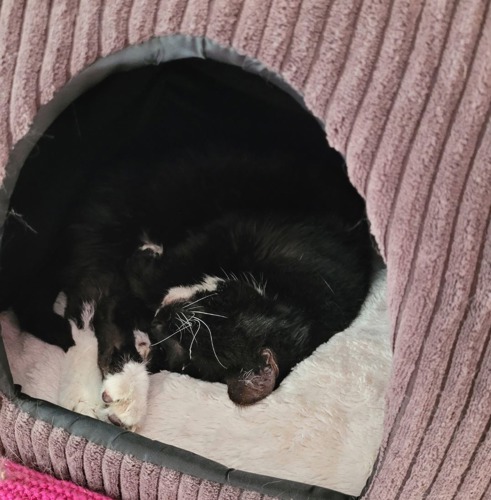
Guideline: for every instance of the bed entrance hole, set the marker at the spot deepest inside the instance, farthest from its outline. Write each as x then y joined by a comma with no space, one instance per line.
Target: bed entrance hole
144,112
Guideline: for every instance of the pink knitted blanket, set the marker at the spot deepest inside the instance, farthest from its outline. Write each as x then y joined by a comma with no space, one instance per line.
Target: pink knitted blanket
20,483
404,88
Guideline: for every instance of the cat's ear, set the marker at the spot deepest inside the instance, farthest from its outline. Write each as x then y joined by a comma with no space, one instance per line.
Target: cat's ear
247,388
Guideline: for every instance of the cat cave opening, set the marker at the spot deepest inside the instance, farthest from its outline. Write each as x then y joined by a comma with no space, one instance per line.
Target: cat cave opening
187,169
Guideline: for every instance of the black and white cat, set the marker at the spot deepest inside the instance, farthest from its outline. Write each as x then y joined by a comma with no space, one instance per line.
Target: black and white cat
195,203
247,296
237,266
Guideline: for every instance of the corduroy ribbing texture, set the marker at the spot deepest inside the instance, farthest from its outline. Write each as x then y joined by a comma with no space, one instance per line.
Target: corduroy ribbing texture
71,458
404,88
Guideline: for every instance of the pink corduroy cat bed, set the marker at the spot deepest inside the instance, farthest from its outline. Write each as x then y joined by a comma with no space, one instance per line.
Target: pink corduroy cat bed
403,89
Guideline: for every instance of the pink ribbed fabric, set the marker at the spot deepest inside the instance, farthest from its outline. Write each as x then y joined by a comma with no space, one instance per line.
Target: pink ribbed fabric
55,451
21,483
404,87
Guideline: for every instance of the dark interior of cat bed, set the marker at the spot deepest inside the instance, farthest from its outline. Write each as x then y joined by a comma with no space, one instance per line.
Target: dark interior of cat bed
144,113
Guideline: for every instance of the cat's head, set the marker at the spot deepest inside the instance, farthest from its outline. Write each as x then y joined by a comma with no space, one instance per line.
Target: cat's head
228,330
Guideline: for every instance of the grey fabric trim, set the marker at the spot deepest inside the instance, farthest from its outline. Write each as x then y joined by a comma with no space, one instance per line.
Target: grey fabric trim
6,381
160,454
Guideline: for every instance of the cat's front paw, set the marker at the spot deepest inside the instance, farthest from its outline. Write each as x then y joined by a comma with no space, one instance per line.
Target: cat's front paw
125,395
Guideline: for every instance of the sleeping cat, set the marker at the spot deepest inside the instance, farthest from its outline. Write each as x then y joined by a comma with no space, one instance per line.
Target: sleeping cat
237,265
247,296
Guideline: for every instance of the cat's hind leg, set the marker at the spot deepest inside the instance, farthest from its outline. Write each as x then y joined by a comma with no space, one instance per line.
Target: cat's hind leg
80,387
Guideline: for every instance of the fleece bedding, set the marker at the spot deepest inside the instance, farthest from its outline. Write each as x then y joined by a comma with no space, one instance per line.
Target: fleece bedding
321,426
403,90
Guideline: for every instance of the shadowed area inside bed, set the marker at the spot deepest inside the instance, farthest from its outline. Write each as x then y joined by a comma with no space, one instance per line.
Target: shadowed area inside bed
189,104
140,113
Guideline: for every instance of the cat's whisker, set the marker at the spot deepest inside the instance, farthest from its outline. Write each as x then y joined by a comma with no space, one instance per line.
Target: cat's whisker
199,300
262,284
258,283
185,320
211,340
183,323
180,329
252,280
183,326
328,286
181,320
246,374
189,323
194,334
210,314
225,273
247,278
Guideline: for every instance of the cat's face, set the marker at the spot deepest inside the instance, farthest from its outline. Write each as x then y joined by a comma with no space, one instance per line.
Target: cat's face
224,330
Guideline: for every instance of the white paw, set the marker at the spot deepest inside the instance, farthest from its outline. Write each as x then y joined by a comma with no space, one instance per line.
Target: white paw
125,395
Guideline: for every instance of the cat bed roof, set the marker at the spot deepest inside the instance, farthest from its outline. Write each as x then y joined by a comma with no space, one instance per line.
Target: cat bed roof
404,92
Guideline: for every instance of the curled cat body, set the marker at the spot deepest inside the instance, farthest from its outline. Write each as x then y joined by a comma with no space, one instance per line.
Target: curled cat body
236,265
237,268
248,296
225,293
202,209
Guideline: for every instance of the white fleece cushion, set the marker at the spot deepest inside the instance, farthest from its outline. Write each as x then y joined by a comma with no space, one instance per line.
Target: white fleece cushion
322,426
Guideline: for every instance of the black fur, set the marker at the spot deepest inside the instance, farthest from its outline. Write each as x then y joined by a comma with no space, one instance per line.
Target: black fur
302,241
288,282
231,182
